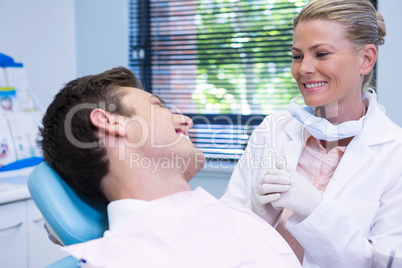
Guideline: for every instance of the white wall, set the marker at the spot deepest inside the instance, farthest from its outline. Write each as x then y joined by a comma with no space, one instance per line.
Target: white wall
102,35
58,41
389,74
41,35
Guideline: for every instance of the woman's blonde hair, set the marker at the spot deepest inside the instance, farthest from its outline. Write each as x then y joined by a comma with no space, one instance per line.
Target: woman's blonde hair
363,24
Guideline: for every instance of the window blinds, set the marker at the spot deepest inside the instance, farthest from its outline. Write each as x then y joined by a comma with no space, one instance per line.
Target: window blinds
224,63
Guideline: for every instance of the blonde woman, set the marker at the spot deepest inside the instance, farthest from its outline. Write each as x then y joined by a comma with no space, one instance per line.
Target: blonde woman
334,190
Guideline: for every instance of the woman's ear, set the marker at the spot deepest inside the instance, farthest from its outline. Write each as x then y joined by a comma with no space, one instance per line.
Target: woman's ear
107,122
369,57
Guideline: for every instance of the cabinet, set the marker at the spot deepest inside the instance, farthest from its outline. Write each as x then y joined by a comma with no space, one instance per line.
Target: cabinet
41,251
23,239
13,235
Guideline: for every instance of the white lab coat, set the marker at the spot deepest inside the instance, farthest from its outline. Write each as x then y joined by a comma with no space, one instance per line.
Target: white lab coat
362,203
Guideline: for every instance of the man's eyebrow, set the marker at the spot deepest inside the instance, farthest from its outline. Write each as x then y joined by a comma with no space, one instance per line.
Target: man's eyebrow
157,97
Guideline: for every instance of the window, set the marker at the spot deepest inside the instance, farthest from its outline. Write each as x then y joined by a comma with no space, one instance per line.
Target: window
224,63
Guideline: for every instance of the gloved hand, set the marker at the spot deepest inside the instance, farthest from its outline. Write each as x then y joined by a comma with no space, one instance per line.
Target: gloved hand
267,190
302,197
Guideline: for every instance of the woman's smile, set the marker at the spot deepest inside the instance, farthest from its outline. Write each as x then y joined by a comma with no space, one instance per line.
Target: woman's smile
314,85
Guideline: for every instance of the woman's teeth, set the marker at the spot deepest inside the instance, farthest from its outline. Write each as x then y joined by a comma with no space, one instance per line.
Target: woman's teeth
315,85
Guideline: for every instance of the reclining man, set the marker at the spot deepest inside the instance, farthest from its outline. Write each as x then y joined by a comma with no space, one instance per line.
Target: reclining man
120,145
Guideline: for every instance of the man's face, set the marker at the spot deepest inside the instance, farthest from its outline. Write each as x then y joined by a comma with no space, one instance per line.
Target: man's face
158,138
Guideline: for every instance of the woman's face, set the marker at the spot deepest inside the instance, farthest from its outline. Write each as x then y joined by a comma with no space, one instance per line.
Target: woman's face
326,65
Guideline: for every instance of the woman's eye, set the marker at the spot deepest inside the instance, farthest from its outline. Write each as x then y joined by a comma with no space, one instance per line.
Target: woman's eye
296,57
321,54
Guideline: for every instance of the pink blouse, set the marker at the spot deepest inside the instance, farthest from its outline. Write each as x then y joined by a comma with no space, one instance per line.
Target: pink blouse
318,166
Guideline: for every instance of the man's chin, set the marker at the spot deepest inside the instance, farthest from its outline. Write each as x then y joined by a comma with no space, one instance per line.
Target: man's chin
195,163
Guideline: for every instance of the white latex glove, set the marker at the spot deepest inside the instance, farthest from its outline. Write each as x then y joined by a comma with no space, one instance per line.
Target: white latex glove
302,197
267,190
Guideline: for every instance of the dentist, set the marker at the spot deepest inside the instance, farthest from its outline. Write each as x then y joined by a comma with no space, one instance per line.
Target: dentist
335,191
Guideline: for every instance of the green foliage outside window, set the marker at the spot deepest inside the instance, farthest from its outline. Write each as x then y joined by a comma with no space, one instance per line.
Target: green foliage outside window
243,55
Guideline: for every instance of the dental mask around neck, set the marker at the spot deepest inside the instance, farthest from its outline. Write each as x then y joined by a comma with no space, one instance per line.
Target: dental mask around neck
321,128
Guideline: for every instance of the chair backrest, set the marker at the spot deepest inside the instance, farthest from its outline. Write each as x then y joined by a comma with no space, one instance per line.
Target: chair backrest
73,217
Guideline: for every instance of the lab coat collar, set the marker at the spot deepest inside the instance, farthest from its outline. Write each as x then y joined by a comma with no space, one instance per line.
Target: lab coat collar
377,126
378,129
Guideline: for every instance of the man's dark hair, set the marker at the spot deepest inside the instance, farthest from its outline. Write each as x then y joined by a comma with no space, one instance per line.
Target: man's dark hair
69,140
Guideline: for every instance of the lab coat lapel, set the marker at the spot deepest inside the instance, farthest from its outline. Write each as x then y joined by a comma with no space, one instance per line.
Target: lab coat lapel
294,146
357,154
377,130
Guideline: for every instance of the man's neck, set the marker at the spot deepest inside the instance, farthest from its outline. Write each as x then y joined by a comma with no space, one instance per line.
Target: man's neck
124,182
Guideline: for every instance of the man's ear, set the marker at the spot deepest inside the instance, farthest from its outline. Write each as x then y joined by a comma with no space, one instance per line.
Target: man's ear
369,57
108,122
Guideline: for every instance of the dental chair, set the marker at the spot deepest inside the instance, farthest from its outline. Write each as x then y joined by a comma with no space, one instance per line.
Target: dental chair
69,216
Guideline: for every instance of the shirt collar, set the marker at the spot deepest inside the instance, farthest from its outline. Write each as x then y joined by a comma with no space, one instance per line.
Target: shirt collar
307,136
120,210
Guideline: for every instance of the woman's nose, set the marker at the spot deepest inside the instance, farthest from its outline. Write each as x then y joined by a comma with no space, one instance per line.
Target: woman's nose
306,66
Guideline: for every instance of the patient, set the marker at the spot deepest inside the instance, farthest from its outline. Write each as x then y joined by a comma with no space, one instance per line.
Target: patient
120,145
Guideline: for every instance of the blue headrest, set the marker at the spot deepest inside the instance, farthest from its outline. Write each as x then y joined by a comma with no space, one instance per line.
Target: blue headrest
72,216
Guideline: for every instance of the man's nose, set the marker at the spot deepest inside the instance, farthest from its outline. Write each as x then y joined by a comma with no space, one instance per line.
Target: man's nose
183,121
